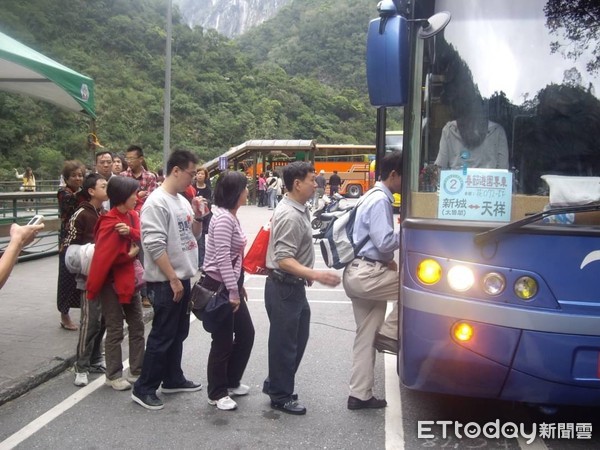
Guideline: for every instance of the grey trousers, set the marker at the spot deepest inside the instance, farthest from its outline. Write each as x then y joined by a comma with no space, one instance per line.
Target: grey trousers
370,286
114,312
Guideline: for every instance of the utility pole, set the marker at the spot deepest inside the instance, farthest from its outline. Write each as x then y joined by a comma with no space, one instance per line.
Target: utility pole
167,107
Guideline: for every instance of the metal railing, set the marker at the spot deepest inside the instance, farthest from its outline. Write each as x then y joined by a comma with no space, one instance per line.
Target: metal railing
19,207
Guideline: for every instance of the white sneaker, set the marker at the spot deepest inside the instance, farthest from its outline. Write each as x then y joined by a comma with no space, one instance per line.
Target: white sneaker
81,379
242,389
118,384
132,378
224,403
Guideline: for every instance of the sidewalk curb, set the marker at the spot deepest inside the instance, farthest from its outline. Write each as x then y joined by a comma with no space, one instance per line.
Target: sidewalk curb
47,371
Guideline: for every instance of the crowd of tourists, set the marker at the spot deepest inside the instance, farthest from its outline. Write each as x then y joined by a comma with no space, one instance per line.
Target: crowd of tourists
130,239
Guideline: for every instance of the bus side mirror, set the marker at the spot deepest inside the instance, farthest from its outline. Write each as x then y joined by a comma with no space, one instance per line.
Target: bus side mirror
387,61
388,54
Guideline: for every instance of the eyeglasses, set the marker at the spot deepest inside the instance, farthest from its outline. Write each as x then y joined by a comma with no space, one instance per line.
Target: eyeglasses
191,173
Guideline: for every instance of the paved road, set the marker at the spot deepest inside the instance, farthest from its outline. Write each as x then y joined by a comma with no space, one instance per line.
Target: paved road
59,415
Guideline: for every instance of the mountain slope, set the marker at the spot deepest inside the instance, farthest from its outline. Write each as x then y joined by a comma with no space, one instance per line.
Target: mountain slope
322,39
221,95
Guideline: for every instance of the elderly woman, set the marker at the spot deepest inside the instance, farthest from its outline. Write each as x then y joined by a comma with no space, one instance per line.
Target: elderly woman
68,201
233,340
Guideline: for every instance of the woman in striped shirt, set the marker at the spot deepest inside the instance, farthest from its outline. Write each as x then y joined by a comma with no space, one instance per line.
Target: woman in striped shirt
232,341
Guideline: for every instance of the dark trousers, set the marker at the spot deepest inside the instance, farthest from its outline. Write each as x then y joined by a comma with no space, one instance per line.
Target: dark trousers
201,249
289,316
164,347
262,196
229,352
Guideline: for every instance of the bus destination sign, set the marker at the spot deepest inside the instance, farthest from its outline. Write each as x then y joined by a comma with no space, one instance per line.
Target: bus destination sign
475,194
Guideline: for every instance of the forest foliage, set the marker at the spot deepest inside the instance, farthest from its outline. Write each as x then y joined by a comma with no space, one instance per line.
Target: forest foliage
299,76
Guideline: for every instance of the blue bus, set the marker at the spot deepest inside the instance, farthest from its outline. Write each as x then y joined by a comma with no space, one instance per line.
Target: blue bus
500,250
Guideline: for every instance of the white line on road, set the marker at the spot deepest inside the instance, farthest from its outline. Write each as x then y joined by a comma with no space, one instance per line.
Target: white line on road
394,424
310,289
43,420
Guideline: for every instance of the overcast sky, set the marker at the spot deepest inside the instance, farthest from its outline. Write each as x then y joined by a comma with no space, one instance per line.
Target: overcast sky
512,52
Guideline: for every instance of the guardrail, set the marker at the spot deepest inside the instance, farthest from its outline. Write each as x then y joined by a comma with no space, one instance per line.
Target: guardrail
20,207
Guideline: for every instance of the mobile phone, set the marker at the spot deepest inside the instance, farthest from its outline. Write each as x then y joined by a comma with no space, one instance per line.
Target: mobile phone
36,220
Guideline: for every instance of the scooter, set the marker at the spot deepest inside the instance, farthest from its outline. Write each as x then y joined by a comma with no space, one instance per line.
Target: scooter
333,209
328,205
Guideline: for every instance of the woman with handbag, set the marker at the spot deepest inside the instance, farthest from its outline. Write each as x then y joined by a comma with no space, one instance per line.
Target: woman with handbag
112,281
233,333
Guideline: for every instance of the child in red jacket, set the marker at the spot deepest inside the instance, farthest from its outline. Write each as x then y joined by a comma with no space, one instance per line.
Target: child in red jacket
112,281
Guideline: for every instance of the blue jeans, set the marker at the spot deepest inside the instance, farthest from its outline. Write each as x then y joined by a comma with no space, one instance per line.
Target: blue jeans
289,315
272,198
164,347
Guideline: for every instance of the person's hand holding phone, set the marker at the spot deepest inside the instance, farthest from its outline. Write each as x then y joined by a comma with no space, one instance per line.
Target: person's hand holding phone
24,235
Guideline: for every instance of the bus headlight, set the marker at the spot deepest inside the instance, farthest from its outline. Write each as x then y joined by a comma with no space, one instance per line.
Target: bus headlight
462,331
494,283
526,287
461,278
429,271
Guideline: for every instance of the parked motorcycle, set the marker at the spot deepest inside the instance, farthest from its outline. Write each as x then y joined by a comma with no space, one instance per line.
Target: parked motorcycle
323,215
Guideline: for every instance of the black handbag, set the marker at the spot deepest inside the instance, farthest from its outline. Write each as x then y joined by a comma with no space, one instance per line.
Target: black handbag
201,296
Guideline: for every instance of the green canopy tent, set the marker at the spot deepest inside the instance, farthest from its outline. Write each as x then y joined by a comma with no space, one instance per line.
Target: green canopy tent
25,71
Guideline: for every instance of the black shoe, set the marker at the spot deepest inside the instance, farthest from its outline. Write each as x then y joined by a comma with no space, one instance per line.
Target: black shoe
98,367
384,344
148,401
188,386
372,403
291,407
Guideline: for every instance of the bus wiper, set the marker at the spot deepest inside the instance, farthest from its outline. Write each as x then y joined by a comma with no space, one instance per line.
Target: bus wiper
484,237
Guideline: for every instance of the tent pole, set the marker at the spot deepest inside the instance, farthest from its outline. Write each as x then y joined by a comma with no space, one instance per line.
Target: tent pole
92,142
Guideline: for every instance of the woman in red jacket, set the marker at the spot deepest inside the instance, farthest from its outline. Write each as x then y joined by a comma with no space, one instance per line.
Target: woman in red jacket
112,281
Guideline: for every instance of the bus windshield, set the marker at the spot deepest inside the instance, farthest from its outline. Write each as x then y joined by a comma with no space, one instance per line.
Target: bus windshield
507,123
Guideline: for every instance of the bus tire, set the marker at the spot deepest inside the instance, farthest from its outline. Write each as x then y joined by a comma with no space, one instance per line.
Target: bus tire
354,191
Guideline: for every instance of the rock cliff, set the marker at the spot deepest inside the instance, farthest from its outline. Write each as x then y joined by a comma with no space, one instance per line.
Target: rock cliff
228,17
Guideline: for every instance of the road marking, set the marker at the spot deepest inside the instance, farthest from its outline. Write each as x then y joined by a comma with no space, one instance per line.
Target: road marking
394,423
43,420
330,302
309,290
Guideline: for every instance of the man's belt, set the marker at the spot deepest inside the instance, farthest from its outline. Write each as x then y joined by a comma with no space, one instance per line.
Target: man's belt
284,277
365,258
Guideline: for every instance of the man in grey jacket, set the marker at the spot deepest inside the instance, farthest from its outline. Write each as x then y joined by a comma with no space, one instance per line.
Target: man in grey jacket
169,230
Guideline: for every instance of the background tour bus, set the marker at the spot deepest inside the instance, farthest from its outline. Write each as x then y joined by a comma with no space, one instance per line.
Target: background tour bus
501,178
352,164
